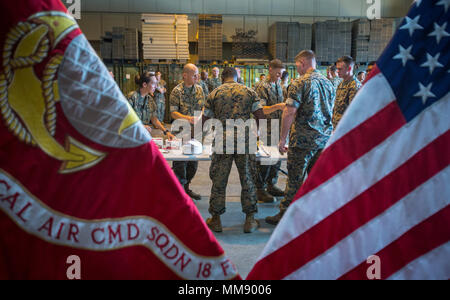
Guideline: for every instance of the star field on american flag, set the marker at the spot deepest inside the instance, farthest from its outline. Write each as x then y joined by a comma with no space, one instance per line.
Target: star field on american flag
380,186
418,83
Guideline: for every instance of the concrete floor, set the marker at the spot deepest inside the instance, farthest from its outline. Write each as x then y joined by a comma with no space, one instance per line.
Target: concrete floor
241,248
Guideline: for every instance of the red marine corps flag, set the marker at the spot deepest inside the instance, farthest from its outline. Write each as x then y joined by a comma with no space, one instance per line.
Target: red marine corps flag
376,204
79,175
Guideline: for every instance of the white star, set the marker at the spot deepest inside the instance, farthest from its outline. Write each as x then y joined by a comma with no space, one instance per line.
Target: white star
412,25
432,62
404,54
445,3
439,32
418,2
425,92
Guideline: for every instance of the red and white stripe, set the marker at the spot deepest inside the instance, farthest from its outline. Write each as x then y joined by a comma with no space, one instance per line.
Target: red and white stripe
379,185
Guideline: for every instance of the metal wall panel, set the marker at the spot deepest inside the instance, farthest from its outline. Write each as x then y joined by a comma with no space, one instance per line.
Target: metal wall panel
352,8
237,7
90,22
342,8
304,7
214,7
118,5
260,7
282,7
328,8
230,23
113,20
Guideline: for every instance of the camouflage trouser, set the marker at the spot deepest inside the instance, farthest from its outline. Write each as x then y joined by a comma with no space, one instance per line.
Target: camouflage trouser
161,109
185,171
300,162
220,171
266,175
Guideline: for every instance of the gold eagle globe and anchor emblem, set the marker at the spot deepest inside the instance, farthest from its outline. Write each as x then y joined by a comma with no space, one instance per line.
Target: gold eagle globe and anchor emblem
28,103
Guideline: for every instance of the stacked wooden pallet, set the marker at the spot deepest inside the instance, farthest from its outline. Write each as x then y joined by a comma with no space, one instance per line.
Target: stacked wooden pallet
361,40
299,38
287,39
381,32
332,40
131,46
210,37
278,41
370,38
165,36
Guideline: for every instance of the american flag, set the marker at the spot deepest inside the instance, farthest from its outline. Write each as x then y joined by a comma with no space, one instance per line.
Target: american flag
382,185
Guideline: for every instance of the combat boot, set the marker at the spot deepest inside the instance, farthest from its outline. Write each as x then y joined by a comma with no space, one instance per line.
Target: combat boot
251,224
274,191
214,223
191,194
274,220
264,197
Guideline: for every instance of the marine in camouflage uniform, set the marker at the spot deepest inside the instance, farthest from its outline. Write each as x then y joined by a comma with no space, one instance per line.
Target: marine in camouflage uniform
144,106
213,83
312,95
186,100
204,86
336,81
232,101
160,100
271,93
345,93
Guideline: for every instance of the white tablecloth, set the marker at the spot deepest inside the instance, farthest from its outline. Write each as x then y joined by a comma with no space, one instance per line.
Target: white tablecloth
267,155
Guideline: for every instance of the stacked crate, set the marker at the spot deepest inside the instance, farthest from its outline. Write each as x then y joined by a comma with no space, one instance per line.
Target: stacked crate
299,38
361,40
165,37
370,38
305,39
118,43
106,46
293,40
286,40
381,32
278,41
131,46
332,40
210,37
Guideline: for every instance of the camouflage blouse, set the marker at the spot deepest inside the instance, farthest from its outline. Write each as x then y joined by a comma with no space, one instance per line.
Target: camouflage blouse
345,93
271,93
144,106
313,95
187,100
